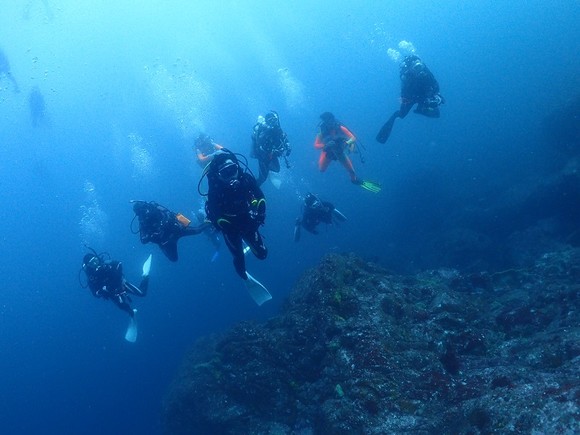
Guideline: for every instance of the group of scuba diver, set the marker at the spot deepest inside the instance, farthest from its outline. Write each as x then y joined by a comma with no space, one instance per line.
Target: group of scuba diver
235,206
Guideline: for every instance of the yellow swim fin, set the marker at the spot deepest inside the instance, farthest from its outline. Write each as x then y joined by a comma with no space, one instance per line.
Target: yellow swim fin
371,186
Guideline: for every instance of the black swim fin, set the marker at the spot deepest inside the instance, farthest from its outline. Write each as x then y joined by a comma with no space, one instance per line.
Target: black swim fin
386,129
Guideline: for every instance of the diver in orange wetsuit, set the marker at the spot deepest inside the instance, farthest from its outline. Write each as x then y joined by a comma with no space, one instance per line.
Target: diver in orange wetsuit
205,148
335,141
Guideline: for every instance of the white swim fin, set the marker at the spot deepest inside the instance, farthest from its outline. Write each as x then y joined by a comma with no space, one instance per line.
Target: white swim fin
338,215
297,229
257,291
275,179
147,266
131,334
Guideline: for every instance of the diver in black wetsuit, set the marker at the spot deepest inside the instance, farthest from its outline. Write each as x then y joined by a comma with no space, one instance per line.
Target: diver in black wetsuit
418,86
37,106
269,143
161,226
236,206
5,71
314,212
106,280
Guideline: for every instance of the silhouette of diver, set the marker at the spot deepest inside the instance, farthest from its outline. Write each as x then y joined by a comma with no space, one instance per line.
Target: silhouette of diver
37,106
418,86
5,70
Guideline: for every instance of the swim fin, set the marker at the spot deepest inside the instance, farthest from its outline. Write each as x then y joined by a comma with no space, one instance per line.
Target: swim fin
370,186
131,334
257,291
275,179
147,266
297,230
338,215
386,129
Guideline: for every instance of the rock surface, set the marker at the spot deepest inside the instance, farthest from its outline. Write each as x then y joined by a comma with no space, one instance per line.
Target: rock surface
357,350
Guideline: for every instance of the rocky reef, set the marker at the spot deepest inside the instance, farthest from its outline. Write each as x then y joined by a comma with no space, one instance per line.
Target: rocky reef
358,350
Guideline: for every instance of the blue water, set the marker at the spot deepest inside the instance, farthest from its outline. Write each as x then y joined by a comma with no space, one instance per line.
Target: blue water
128,85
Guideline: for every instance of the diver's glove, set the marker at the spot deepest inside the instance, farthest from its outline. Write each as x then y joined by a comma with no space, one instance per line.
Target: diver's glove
435,100
103,292
350,144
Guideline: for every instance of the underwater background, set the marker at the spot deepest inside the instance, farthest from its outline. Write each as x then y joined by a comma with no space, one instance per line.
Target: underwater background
100,102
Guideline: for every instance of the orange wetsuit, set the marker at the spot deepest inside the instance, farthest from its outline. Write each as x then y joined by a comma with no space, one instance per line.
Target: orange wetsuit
205,156
343,139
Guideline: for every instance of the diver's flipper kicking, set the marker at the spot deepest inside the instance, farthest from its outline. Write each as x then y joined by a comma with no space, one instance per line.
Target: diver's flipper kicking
257,291
385,131
131,333
371,186
338,216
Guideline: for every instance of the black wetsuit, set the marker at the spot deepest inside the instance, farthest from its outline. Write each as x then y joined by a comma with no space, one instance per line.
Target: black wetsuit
418,86
161,226
237,209
320,211
106,281
268,145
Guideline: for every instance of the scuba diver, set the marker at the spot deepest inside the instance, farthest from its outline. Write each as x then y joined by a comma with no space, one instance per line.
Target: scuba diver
315,211
161,226
236,206
335,141
105,280
37,107
5,71
269,143
205,149
418,86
